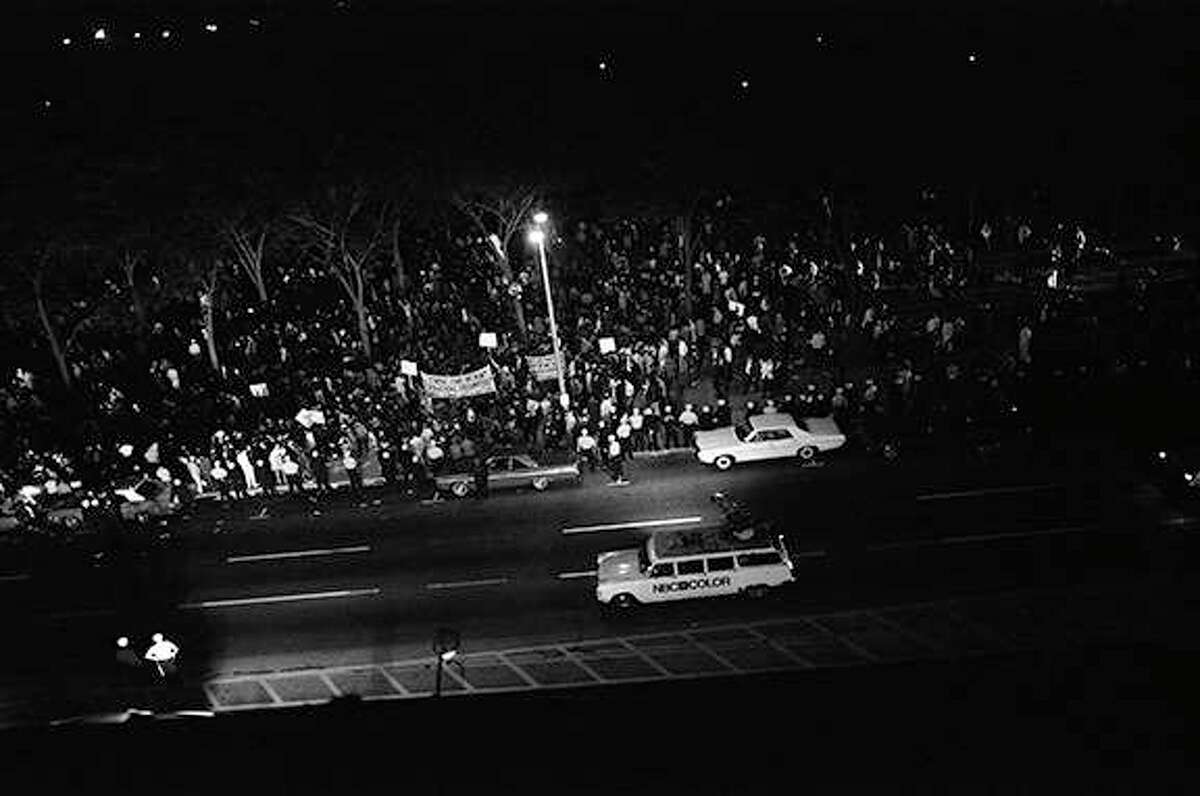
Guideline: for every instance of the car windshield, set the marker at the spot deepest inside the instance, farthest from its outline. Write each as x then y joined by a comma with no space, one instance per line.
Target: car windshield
742,430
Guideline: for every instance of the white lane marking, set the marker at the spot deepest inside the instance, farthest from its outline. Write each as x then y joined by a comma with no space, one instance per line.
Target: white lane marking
326,551
591,573
14,578
983,537
283,598
999,490
989,537
621,526
464,584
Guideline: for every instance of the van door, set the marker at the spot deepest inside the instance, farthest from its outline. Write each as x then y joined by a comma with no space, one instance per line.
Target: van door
722,574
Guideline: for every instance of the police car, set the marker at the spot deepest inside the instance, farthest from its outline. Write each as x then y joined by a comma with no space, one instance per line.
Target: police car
680,565
768,436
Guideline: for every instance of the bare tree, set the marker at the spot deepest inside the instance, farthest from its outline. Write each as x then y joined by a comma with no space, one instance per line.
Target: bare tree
60,318
129,261
345,242
248,246
498,214
208,277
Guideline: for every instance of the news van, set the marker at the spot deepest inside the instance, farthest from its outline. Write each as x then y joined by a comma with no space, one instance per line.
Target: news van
681,565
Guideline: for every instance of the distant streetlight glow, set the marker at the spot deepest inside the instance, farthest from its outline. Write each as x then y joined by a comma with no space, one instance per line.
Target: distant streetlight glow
99,35
211,28
137,34
971,57
745,84
166,34
540,217
603,66
537,237
66,41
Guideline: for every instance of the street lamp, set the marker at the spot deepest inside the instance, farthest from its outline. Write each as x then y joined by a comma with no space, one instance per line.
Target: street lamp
537,236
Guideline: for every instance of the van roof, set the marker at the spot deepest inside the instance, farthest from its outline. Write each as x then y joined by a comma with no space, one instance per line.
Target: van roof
704,541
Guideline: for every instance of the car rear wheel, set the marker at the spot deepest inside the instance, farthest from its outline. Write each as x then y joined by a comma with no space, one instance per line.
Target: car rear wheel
756,592
540,483
460,488
807,453
624,601
723,462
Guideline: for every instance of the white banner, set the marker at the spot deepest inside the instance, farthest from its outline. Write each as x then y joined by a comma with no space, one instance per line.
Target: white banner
477,382
310,417
542,367
607,345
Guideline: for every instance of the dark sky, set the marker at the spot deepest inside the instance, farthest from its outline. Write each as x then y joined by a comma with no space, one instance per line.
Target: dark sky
1071,93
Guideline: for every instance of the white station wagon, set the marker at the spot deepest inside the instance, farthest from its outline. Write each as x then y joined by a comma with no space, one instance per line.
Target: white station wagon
680,565
768,436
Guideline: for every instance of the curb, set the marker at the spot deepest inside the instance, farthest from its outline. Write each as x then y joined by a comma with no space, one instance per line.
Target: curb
660,454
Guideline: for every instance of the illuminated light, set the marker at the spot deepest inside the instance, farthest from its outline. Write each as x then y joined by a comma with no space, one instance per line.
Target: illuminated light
211,28
537,237
166,34
745,84
603,66
66,41
137,34
971,57
99,35
820,39
255,22
45,103
1162,454
540,217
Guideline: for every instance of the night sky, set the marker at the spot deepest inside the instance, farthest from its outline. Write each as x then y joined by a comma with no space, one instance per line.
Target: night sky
1076,95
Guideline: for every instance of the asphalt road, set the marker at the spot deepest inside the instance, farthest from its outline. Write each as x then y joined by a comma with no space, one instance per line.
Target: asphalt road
368,584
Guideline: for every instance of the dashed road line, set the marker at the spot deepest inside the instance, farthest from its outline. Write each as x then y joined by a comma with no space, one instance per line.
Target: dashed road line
326,551
973,538
999,490
466,584
623,526
282,598
591,573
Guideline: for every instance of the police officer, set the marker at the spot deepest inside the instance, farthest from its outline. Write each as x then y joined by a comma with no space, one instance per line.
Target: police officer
653,431
320,467
671,430
706,418
637,424
481,477
722,415
387,463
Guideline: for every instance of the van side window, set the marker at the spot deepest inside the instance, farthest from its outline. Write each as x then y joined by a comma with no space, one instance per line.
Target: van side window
692,567
720,564
758,559
662,570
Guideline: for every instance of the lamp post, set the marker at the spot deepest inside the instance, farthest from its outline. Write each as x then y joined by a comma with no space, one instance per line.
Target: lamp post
537,236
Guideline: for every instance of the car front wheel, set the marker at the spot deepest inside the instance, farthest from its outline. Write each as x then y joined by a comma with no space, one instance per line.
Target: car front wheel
624,601
807,453
723,462
540,483
460,489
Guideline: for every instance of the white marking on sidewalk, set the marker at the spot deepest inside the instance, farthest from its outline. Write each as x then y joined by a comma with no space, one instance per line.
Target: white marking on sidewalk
326,551
591,573
282,598
621,526
999,490
14,578
464,584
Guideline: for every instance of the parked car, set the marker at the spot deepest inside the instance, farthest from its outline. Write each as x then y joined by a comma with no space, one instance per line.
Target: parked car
510,471
768,436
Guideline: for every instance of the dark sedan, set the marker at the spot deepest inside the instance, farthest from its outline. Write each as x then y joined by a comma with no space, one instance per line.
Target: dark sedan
510,471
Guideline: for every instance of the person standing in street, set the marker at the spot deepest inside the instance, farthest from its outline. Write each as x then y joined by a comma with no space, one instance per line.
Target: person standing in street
616,461
585,446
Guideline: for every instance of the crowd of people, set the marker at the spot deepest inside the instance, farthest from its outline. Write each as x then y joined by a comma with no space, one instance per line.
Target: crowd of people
897,325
